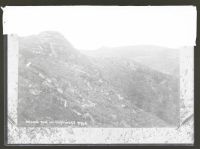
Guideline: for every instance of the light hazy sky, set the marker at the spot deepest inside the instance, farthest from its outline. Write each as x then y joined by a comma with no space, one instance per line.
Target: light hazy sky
91,27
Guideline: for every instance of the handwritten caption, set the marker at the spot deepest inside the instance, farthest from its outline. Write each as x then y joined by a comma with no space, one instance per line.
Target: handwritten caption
71,123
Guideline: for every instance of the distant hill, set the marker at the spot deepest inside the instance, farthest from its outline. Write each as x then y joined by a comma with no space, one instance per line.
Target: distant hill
57,82
162,59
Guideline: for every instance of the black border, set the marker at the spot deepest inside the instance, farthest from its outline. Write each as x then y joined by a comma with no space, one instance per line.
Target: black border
97,2
3,68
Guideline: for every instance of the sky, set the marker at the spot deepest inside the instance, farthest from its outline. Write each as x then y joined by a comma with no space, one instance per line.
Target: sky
93,27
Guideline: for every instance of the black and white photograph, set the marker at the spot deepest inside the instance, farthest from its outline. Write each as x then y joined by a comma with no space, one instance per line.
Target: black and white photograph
100,74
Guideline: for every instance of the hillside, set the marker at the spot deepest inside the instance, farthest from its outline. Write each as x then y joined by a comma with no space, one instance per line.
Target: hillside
165,60
58,83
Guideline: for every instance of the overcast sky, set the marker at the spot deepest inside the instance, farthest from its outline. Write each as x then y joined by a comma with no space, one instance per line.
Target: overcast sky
91,27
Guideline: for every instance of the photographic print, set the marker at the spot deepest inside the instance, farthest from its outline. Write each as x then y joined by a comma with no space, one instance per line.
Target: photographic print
100,74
